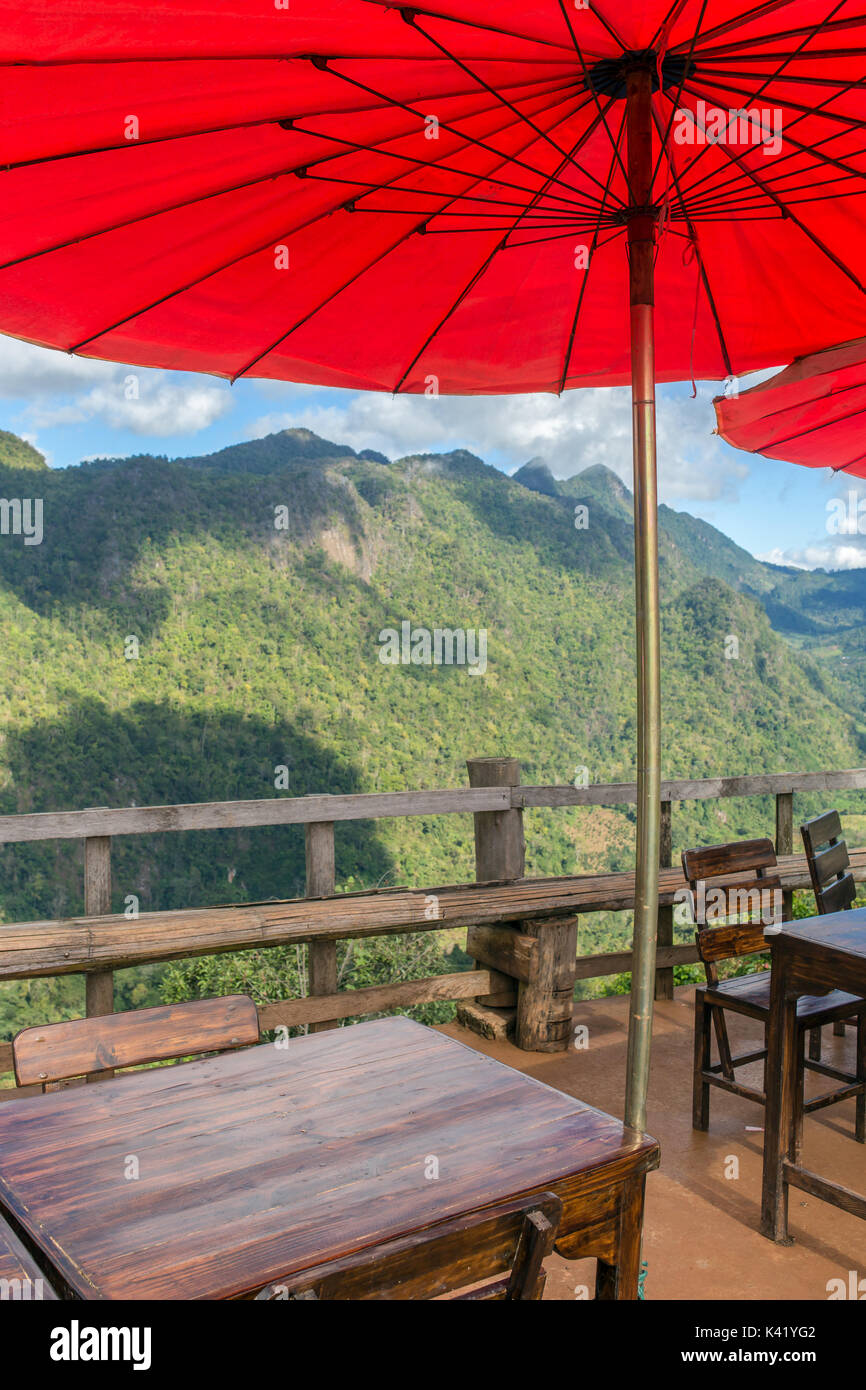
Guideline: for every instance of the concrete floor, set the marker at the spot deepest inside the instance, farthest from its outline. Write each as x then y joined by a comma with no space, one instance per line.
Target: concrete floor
701,1235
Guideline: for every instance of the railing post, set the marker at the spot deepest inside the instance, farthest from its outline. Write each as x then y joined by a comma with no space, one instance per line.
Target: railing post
499,854
785,843
321,880
665,930
544,1000
98,984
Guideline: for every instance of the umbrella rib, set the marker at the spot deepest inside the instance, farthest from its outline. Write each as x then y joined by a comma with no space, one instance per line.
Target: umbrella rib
806,40
254,361
334,294
273,176
675,105
393,101
580,299
580,202
823,424
672,16
811,151
219,130
713,202
458,62
838,117
819,109
560,236
477,275
217,270
778,36
436,166
702,271
594,10
544,135
823,53
831,255
757,13
472,24
589,84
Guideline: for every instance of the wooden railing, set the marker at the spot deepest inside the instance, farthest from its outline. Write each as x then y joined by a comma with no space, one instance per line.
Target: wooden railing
521,932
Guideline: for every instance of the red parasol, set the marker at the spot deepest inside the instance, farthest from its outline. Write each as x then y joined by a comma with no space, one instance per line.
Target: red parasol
812,413
445,199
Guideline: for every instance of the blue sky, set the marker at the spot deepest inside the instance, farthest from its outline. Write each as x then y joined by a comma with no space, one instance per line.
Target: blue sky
75,408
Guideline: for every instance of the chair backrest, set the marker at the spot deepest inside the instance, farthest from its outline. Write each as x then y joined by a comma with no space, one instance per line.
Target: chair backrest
84,1046
829,865
512,1239
728,883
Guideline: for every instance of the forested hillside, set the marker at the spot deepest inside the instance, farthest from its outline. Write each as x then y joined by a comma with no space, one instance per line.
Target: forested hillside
186,628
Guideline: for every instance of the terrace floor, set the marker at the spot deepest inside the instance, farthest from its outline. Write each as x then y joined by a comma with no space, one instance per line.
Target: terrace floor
701,1235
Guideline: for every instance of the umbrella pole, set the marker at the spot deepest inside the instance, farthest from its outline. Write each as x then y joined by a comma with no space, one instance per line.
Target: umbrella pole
641,251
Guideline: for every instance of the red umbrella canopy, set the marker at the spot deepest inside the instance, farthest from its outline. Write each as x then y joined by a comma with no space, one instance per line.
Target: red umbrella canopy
813,413
346,193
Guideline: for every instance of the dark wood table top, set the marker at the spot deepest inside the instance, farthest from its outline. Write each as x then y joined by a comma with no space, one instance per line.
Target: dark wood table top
827,951
836,931
265,1162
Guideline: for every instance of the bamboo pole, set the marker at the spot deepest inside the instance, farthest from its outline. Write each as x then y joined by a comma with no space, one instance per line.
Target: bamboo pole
641,248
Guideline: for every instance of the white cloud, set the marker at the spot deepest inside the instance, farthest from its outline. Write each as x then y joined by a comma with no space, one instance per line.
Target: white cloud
149,406
829,556
570,433
63,390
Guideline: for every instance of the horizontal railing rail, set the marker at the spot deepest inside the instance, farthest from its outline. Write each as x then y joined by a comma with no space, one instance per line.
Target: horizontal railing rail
307,810
521,932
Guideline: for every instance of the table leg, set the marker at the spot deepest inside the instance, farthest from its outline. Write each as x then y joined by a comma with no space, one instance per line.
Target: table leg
779,1121
620,1279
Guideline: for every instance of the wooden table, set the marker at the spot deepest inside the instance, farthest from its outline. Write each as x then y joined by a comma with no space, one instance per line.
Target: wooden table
262,1163
809,956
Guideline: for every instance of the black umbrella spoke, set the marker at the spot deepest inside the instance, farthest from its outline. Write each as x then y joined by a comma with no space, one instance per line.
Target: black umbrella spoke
235,260
458,62
686,69
757,12
596,12
461,134
592,251
436,165
780,36
591,86
283,171
807,39
792,217
811,152
329,299
836,117
693,237
471,24
477,275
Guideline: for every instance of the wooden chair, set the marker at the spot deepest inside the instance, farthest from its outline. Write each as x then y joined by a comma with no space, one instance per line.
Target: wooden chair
88,1046
832,882
460,1257
737,880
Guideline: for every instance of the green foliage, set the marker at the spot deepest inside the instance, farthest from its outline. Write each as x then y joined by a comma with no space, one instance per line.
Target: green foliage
18,453
259,649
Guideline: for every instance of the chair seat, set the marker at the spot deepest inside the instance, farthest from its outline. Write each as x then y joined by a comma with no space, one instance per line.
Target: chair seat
751,994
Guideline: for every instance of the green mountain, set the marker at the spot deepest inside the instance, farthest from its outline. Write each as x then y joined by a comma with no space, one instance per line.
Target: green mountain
187,628
18,454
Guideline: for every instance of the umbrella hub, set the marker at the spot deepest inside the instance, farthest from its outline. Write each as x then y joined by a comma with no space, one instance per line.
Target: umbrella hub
608,76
